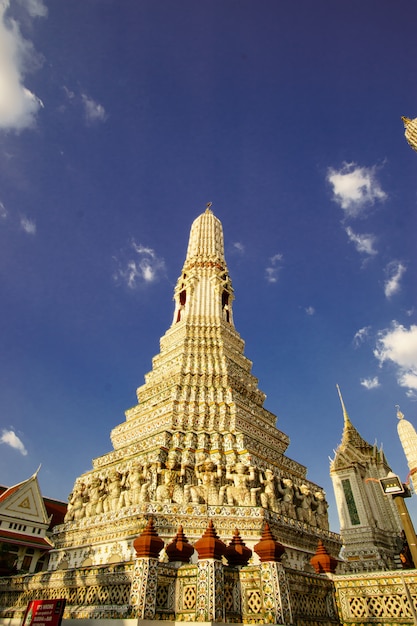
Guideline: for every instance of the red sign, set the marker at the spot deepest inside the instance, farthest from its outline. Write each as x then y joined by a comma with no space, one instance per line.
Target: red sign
44,613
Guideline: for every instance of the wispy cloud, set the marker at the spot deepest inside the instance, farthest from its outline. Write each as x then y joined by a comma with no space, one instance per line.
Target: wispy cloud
3,211
139,265
93,111
360,336
370,383
274,268
29,226
18,105
35,8
10,438
398,345
238,247
363,243
394,272
355,188
310,310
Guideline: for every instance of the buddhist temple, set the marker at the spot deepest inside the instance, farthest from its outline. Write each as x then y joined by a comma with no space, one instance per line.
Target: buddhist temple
370,525
198,515
199,444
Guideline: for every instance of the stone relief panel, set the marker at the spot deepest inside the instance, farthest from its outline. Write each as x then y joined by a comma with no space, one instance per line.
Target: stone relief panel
202,467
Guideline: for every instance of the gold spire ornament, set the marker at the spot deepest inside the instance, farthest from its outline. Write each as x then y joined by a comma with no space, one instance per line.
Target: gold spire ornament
410,131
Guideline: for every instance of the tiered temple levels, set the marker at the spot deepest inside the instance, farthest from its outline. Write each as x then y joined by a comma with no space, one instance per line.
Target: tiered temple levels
199,444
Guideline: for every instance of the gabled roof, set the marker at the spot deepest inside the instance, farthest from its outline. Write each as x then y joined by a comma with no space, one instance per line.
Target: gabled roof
24,502
56,510
353,448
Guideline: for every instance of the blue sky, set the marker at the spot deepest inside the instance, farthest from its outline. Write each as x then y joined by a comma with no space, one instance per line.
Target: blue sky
119,121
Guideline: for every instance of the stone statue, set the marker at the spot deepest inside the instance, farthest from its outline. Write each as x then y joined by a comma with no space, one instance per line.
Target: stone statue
139,484
171,489
94,505
207,490
239,493
268,495
113,490
76,503
286,491
321,506
303,498
124,498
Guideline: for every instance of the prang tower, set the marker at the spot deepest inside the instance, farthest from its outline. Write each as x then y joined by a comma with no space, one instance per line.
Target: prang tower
199,444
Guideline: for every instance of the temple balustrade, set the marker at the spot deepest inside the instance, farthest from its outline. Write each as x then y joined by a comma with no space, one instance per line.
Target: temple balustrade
110,592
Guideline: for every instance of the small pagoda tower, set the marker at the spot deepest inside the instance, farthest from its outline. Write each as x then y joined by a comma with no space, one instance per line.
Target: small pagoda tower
199,443
369,521
408,437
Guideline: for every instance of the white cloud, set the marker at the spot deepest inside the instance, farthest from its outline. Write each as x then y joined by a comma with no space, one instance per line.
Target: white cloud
355,188
310,310
94,112
69,94
370,383
144,267
239,247
3,211
394,272
35,8
11,439
29,226
360,336
18,105
272,271
363,243
398,345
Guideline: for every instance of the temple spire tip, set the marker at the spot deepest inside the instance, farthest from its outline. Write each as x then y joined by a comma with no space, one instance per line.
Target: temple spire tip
345,413
399,414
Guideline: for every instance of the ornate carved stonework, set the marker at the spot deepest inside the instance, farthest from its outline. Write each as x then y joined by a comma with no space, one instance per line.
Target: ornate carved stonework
199,442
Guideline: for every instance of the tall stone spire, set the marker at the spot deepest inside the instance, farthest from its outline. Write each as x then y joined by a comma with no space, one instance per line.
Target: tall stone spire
408,438
202,376
199,443
204,290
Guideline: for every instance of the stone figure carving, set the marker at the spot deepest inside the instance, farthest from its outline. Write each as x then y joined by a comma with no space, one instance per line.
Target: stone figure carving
176,441
321,506
189,440
94,505
171,489
268,495
286,491
239,493
113,491
76,503
139,483
207,490
124,499
303,499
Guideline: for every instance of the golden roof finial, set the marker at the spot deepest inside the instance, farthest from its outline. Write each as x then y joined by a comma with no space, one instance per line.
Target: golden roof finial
208,205
345,413
399,414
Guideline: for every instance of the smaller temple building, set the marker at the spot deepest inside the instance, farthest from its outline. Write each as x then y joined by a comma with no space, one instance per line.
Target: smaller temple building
370,524
26,523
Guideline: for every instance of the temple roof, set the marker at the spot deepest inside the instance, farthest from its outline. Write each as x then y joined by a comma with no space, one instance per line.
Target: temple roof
353,447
